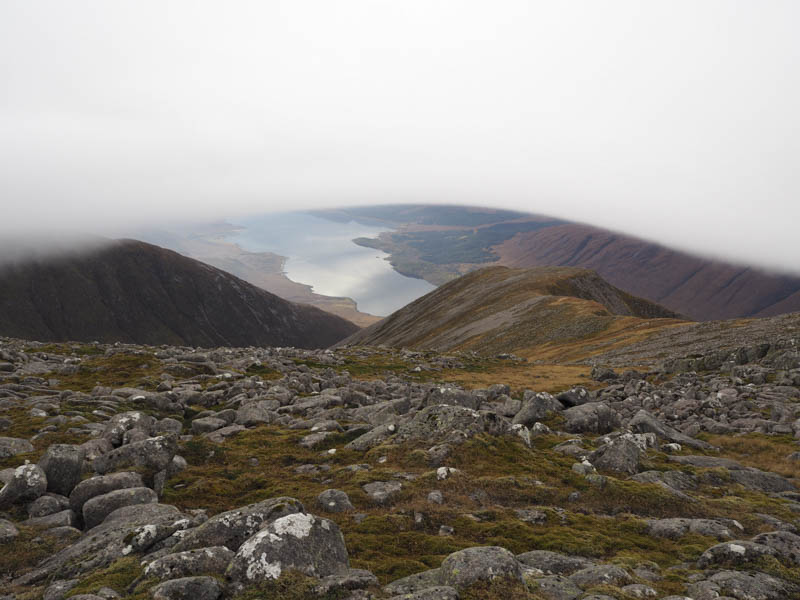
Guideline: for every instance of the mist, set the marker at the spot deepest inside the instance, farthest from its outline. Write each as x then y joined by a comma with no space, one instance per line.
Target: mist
672,121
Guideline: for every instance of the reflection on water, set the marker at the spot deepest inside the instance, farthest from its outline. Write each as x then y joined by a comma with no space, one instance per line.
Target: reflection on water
321,254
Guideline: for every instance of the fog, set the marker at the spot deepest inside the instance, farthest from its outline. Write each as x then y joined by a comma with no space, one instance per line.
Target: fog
675,121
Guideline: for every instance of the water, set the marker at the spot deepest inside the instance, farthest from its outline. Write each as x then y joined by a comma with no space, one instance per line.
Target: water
321,253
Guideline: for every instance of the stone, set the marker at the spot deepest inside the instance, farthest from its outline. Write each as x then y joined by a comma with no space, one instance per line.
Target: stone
352,579
118,424
27,484
47,505
382,492
443,424
600,575
334,501
436,497
785,543
232,528
553,563
96,509
189,588
620,455
154,454
213,560
743,586
639,590
593,417
556,587
301,542
678,527
10,447
58,589
64,518
439,592
738,552
536,407
63,466
102,484
8,531
465,567
644,422
207,424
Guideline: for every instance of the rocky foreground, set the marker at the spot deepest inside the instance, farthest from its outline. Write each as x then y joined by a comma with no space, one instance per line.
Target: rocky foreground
172,473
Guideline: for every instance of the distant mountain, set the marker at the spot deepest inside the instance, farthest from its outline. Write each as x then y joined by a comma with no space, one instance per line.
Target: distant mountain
497,309
130,291
439,243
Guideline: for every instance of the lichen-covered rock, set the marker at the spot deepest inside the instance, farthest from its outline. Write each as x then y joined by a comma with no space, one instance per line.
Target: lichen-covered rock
232,528
600,575
189,588
675,528
452,396
536,407
300,542
743,586
153,453
443,423
207,424
439,592
481,563
63,466
98,508
102,484
212,560
785,543
27,484
556,587
738,552
10,447
47,504
334,501
351,579
118,424
64,518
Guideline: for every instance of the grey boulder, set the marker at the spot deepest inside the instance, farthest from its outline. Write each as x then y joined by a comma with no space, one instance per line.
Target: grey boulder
102,484
153,453
334,501
63,465
191,562
189,588
98,508
301,542
593,417
26,485
10,447
481,563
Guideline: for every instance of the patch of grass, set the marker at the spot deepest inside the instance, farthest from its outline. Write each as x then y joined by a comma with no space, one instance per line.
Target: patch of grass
27,550
118,576
120,370
762,451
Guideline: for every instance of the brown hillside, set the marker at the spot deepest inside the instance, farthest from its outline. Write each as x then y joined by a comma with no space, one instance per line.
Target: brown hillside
498,309
700,288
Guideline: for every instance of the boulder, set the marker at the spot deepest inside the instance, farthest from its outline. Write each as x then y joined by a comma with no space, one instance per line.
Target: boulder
452,396
189,588
27,484
96,509
439,592
299,541
620,455
207,424
644,422
63,466
442,423
382,492
117,425
212,560
593,417
8,531
232,528
743,586
785,543
334,501
739,552
10,447
154,454
678,527
481,563
536,407
102,484
600,575
553,563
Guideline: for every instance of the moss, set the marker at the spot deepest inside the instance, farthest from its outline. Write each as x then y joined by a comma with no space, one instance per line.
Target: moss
118,576
118,370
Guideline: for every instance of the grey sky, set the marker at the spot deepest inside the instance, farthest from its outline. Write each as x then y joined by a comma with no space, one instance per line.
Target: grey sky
673,120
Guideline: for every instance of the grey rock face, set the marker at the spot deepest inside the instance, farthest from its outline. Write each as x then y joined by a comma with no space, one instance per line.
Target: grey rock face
601,575
536,407
63,465
28,483
8,532
102,484
47,505
334,501
442,423
232,528
644,422
10,447
619,455
553,563
189,588
594,417
352,579
678,527
98,508
467,566
58,589
207,424
557,587
743,586
439,592
785,543
299,541
414,583
381,492
64,518
738,552
102,545
191,562
153,453
452,397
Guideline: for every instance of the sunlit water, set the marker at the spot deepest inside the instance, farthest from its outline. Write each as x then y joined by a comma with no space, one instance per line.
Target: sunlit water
321,253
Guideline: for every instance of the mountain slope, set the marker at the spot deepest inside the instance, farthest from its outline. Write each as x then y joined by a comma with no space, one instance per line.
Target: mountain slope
498,309
130,291
700,288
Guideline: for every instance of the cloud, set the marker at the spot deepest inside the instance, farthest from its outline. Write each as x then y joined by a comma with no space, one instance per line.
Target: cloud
674,121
